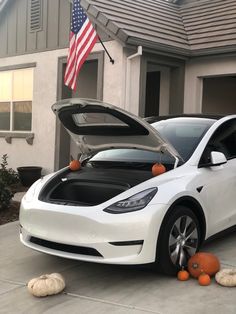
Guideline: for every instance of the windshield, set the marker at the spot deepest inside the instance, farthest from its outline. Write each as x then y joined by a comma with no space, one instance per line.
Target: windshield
184,134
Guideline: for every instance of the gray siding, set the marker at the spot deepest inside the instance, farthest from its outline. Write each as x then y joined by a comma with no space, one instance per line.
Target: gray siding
3,37
16,37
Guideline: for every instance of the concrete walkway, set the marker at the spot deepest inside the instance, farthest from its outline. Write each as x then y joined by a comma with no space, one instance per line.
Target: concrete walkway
98,289
18,196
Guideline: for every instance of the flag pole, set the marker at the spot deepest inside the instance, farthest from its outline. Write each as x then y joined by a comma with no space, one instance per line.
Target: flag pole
111,60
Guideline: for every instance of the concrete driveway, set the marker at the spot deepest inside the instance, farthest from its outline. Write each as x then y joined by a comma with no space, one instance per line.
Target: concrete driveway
95,288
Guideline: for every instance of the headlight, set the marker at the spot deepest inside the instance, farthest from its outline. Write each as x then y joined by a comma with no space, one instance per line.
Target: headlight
133,203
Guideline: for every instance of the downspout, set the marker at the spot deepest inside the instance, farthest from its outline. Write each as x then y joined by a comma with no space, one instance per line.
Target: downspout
128,76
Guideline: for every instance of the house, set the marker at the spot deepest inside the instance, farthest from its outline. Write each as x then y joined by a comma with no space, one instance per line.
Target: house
170,57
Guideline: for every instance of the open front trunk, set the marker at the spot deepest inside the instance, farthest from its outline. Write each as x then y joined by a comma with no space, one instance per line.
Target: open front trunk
95,127
89,186
86,193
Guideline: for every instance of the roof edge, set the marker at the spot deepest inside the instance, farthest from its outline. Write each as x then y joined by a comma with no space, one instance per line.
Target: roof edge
104,23
213,51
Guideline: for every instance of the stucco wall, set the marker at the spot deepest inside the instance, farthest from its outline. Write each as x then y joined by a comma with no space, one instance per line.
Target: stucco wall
41,153
196,70
113,74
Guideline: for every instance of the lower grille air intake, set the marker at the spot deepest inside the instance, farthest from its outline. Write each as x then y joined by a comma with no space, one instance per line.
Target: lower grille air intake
65,247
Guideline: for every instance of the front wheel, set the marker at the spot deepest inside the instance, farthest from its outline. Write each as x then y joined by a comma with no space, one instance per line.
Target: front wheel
179,239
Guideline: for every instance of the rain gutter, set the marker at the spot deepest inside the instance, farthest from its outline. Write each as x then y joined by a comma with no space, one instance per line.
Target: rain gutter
128,75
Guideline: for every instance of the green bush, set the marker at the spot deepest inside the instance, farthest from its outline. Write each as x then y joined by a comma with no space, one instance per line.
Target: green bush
7,175
8,178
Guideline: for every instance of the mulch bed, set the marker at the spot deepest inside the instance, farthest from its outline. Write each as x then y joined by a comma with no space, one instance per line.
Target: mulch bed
10,214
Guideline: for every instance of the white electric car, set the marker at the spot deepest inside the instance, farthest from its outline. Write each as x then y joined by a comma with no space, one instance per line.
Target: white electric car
113,210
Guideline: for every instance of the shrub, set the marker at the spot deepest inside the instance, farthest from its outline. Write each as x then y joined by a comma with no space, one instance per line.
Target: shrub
7,175
8,178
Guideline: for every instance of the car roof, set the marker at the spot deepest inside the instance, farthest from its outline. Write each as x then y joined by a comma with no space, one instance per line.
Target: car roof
153,119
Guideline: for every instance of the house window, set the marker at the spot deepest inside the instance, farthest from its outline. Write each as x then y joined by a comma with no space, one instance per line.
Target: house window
16,94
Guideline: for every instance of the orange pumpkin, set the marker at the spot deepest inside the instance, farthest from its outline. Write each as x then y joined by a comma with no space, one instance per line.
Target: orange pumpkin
75,165
158,169
204,279
203,262
183,275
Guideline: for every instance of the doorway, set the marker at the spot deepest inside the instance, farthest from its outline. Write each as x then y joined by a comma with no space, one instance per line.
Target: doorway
152,93
156,90
89,85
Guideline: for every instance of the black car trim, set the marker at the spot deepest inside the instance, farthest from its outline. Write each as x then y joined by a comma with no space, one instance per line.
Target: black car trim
65,247
199,189
127,243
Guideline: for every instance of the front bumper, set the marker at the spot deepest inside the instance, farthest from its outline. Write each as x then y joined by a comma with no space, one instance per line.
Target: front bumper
90,234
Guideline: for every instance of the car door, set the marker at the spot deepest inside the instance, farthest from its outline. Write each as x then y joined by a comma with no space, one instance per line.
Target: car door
219,189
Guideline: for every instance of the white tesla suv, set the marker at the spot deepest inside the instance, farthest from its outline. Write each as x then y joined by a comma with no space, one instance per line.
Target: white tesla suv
113,210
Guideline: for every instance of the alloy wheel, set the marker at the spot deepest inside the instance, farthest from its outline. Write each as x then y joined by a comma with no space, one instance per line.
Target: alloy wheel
183,240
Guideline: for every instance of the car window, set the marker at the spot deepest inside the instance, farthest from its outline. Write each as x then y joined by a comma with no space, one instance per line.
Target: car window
223,140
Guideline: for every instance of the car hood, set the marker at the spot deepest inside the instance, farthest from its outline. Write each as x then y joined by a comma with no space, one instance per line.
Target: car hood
97,126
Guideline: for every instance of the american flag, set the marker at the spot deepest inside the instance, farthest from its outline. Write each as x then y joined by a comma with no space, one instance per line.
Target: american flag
82,39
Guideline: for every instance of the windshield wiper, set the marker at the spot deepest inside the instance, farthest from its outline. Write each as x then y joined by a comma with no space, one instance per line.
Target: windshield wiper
120,164
85,159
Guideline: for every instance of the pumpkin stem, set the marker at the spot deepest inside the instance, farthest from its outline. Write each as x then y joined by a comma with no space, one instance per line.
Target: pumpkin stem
43,277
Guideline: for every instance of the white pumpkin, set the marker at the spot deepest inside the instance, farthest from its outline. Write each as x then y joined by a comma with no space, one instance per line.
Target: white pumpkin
46,285
226,277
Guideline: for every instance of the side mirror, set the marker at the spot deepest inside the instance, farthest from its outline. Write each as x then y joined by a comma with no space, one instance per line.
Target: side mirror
217,159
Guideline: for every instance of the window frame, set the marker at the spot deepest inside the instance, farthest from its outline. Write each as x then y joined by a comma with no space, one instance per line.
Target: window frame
9,134
226,124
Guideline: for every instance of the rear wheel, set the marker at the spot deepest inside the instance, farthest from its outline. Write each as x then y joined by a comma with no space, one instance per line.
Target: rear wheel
179,239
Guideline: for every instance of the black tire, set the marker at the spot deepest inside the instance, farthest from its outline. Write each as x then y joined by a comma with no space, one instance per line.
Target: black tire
179,238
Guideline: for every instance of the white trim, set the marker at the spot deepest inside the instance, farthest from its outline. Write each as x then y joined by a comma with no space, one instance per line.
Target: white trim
128,78
199,94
